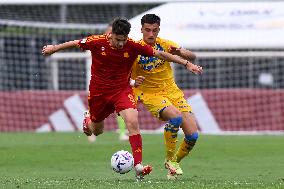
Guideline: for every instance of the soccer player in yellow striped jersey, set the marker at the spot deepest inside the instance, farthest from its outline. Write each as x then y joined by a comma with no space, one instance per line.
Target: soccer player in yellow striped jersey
161,96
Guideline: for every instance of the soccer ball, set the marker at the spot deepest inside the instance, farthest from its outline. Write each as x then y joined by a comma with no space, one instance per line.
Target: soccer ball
122,162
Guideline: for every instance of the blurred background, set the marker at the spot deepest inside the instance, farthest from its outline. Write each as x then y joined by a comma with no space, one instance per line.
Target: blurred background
240,45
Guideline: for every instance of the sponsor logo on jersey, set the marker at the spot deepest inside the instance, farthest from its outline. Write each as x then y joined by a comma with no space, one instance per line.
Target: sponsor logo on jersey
150,63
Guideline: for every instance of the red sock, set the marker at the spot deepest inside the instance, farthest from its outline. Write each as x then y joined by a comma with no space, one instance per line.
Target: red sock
136,145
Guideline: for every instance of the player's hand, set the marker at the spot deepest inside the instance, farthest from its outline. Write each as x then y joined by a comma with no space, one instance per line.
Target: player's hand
194,68
174,50
139,81
48,50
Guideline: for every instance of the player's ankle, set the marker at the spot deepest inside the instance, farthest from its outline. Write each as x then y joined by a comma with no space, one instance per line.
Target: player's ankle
138,167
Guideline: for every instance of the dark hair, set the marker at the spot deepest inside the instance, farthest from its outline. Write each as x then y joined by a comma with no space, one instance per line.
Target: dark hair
150,19
120,26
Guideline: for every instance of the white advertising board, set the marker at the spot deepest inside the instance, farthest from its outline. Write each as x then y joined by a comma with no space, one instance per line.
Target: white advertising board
213,25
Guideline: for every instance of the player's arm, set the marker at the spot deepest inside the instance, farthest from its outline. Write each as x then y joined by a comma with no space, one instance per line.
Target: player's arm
177,59
50,49
184,53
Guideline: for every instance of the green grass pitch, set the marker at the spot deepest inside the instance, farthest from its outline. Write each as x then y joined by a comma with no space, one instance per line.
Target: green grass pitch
68,160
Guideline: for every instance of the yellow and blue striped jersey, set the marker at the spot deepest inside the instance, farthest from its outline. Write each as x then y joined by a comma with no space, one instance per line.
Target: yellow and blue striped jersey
158,73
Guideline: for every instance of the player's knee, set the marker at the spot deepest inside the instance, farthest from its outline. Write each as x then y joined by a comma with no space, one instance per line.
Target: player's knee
192,137
131,123
176,121
173,124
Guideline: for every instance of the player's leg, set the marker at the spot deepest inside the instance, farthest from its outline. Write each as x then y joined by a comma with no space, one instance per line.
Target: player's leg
188,125
130,117
190,130
90,127
121,128
99,109
175,119
161,108
125,105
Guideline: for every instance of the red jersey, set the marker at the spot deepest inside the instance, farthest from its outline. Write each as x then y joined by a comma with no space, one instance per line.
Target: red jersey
111,67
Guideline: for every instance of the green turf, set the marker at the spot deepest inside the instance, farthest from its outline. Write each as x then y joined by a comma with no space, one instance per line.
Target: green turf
56,160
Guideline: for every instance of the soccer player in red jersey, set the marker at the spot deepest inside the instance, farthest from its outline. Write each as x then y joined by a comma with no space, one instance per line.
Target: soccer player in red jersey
113,55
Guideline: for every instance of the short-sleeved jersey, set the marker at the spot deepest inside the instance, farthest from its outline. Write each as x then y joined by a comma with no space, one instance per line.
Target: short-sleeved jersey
111,67
158,73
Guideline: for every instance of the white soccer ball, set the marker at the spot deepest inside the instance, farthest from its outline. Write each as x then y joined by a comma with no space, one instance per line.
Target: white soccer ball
122,162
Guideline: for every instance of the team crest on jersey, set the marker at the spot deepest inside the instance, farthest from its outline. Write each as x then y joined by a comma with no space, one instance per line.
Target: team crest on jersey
126,55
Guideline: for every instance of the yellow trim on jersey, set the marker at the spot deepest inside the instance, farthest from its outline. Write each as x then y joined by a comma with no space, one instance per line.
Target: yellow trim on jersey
93,38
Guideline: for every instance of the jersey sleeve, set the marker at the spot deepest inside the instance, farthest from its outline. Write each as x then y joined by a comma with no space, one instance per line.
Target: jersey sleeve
143,49
88,43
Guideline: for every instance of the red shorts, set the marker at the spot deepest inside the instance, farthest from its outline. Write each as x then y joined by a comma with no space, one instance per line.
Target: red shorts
101,106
